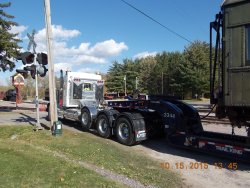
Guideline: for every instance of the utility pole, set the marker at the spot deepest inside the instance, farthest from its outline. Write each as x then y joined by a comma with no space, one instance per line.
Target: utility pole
136,83
125,85
52,85
162,83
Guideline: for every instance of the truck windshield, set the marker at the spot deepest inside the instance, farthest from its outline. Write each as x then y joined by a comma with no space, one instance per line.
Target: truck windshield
88,91
77,91
88,87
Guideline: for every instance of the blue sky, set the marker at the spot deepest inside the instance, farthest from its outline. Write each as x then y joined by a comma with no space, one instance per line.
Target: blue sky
88,35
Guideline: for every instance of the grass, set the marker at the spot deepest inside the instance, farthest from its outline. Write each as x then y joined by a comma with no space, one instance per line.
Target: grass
22,166
51,171
197,100
8,113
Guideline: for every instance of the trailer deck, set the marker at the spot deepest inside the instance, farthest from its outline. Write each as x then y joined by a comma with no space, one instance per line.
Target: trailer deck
182,127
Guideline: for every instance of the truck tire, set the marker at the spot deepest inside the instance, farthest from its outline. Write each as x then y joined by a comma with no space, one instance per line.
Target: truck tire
85,119
103,126
124,131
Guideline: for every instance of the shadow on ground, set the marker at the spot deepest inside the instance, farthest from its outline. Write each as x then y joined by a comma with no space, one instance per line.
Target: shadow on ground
161,145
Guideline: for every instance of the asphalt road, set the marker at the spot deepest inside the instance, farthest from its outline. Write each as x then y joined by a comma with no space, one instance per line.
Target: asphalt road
24,113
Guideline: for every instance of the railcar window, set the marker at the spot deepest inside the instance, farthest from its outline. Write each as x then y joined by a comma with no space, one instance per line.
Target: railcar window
248,45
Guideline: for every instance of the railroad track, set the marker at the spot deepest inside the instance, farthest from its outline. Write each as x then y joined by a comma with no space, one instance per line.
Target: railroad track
204,109
213,124
214,120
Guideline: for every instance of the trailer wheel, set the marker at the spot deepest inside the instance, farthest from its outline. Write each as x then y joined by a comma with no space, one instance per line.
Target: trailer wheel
103,126
124,131
85,119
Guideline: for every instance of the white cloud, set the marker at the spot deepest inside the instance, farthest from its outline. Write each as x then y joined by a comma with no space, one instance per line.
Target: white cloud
89,59
18,30
107,48
144,55
88,70
63,66
59,34
64,34
77,55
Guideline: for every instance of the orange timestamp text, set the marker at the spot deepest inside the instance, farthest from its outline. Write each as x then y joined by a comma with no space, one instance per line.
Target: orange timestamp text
198,165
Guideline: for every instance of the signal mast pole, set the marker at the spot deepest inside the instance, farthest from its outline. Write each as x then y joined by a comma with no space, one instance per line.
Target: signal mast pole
52,85
38,125
33,44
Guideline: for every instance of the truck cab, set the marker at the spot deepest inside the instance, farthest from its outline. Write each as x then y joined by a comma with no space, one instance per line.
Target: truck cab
78,89
79,86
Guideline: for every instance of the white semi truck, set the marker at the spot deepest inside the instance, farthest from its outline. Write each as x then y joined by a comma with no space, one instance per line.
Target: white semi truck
81,99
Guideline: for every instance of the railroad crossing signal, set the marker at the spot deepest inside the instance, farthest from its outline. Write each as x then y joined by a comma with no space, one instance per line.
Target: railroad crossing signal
24,73
27,58
32,70
42,58
41,70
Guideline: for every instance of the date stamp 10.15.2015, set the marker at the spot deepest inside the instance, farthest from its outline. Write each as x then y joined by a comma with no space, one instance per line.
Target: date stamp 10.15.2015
198,165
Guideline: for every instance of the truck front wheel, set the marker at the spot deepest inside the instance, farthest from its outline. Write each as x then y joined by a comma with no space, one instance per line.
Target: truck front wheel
124,131
103,126
85,119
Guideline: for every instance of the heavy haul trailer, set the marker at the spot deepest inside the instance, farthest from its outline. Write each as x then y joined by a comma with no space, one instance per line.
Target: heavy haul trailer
180,123
133,121
130,120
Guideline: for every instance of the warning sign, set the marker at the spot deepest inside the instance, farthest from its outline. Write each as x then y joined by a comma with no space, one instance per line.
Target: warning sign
18,80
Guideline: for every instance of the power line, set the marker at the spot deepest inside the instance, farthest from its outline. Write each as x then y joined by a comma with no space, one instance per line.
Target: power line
154,20
186,14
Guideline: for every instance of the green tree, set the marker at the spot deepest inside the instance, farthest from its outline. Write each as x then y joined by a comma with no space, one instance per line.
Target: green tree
146,66
174,78
131,71
9,48
169,73
197,58
28,91
156,77
114,80
44,84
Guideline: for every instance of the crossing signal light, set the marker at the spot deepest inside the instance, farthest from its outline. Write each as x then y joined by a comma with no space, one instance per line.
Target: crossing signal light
32,70
24,73
42,58
42,70
26,57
